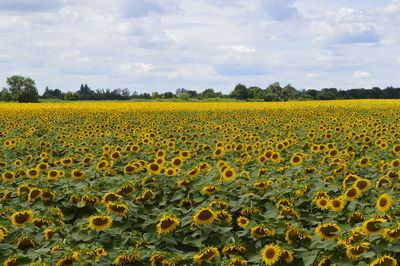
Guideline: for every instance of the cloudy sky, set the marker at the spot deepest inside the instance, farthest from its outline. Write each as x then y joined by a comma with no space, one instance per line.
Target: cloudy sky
161,45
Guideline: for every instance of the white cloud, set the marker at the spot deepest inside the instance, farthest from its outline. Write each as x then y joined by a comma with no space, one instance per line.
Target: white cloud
310,75
361,74
128,68
240,48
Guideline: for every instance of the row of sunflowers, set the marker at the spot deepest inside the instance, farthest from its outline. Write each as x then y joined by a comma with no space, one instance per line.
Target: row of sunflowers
296,183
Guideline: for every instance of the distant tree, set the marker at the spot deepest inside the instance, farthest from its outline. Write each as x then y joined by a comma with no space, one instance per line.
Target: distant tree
210,93
184,96
155,95
240,92
49,93
6,95
256,92
71,96
22,89
168,95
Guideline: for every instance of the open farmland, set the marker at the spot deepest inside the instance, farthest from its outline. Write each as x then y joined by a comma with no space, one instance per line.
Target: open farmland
298,183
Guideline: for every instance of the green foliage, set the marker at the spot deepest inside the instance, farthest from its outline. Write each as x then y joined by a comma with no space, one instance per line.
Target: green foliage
71,96
21,89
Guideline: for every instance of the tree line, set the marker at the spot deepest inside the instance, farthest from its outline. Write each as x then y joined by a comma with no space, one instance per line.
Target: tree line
23,89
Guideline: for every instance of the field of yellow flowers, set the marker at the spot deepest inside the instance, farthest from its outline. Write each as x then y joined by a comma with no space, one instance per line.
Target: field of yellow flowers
296,183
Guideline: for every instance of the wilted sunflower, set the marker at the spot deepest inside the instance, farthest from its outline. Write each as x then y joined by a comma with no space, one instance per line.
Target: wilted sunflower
293,235
204,216
354,251
286,255
328,231
370,226
384,261
119,209
238,261
206,255
167,224
100,222
126,190
48,233
224,216
384,203
242,222
356,217
271,254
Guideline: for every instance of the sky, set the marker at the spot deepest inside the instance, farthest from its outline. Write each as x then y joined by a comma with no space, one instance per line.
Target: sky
162,45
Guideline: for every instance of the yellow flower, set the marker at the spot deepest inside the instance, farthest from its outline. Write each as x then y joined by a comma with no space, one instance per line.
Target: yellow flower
242,222
167,224
328,231
392,235
271,254
204,216
22,217
119,209
354,251
370,226
384,203
384,261
100,222
206,255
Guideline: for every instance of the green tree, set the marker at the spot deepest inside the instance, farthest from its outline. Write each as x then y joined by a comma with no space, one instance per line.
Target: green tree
22,89
71,96
241,92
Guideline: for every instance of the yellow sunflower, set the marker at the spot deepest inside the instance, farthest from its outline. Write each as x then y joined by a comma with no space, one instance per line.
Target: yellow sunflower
384,261
337,204
370,226
384,203
228,174
100,222
8,176
242,222
328,231
204,216
392,235
119,209
271,254
77,174
352,193
167,224
354,251
206,255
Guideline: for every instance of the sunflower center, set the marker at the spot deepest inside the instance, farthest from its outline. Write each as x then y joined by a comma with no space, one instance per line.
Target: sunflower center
329,230
336,203
351,193
383,202
296,159
22,217
100,221
394,233
371,226
167,223
270,253
228,173
154,167
205,215
117,208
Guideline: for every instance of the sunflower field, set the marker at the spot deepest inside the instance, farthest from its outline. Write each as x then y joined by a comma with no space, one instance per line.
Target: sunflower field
295,183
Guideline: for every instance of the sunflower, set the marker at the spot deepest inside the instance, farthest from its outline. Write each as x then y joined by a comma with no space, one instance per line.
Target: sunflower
224,216
260,231
271,254
323,203
126,190
293,234
177,162
384,261
48,233
119,209
25,242
370,226
209,190
356,217
170,171
100,222
33,173
8,176
154,169
11,261
242,222
363,162
328,231
392,235
48,195
102,165
219,204
42,167
362,184
167,224
237,261
77,174
353,251
193,172
337,204
287,255
110,197
34,194
52,175
384,203
352,193
383,182
204,216
39,222
206,255
233,249
183,182
296,160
